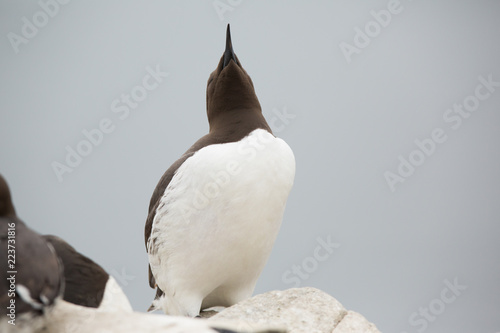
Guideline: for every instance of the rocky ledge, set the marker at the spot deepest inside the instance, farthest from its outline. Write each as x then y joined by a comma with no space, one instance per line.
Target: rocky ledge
294,310
297,310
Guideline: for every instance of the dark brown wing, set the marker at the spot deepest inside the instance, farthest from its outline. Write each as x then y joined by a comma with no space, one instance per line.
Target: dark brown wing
85,280
155,201
160,190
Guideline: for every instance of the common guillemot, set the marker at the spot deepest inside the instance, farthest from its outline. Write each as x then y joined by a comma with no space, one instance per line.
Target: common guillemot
215,213
31,274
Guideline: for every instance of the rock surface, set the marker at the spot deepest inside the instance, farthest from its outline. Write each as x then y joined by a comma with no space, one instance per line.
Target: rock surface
70,318
298,310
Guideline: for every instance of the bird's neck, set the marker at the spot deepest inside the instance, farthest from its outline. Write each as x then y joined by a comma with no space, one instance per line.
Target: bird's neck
238,122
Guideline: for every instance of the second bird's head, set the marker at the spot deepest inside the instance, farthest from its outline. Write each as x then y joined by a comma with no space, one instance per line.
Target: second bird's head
229,87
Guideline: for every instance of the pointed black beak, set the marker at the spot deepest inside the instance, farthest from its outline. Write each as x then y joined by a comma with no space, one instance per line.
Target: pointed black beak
228,53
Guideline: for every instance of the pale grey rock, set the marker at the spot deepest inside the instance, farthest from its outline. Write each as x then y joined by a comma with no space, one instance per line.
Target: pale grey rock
299,310
67,317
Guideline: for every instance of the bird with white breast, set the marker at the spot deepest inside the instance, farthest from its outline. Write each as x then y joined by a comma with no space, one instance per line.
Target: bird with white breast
216,212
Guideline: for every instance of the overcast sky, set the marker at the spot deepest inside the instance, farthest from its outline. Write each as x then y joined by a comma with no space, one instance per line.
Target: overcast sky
391,109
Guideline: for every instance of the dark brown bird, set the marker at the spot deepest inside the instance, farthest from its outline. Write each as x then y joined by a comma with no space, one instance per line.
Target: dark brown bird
31,274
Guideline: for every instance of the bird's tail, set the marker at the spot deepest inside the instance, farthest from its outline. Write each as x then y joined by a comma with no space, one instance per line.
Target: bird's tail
155,305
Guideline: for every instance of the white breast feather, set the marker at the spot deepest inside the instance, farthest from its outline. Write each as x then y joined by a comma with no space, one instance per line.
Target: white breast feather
217,221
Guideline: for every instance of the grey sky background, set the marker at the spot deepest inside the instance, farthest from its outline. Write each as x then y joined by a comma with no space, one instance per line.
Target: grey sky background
347,119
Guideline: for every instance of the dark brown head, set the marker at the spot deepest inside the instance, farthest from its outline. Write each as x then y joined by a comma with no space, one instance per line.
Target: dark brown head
6,206
231,98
